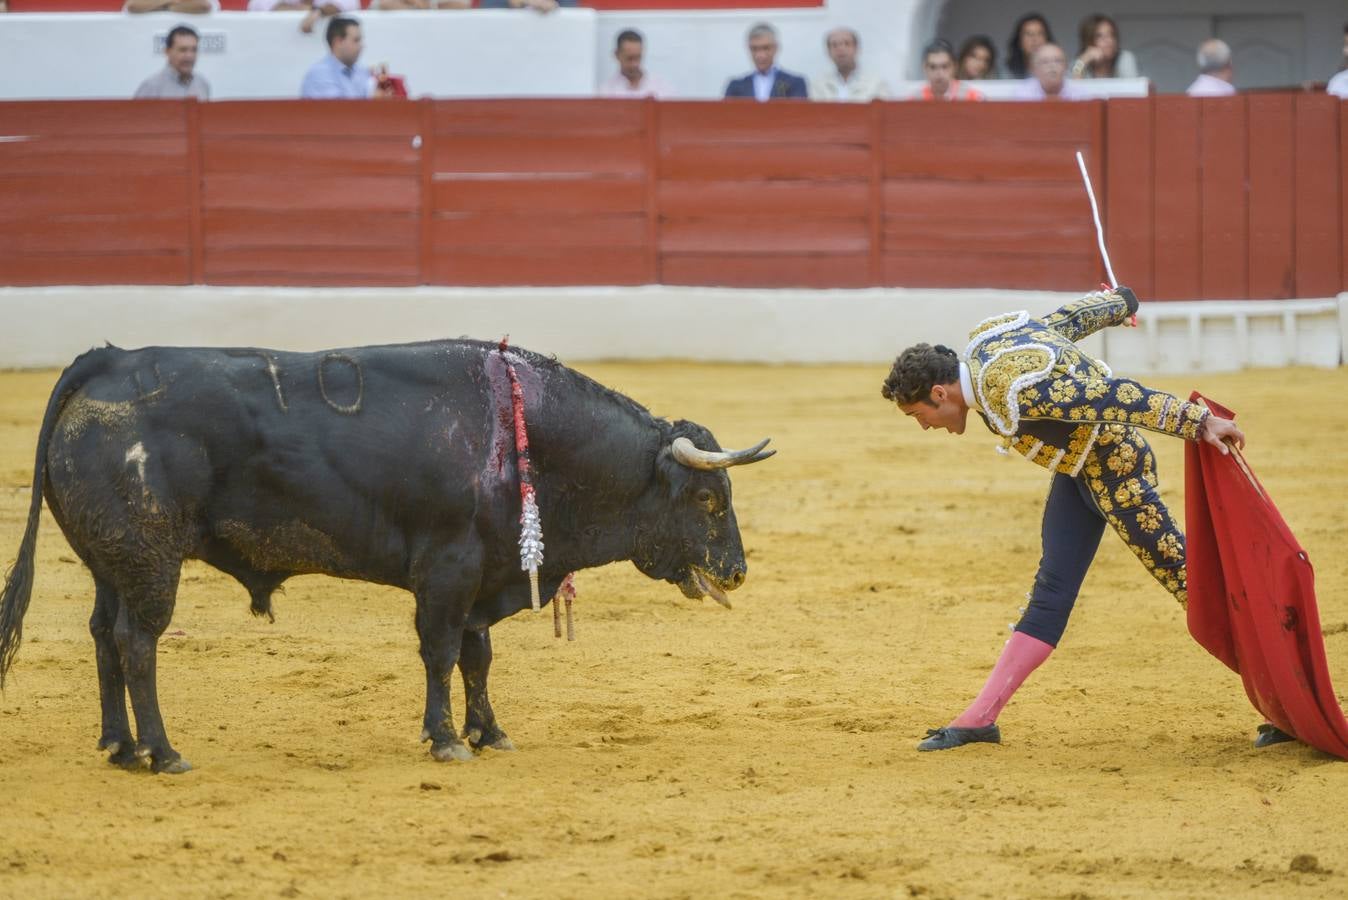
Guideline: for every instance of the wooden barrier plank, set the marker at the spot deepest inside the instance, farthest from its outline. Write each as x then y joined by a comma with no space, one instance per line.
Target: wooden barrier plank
23,197
972,268
1177,249
1001,122
816,162
375,193
580,232
305,266
807,199
331,118
1225,208
77,268
1127,206
1028,236
92,154
92,117
166,231
545,156
1271,153
533,120
1317,224
763,123
243,228
765,236
812,270
278,155
541,196
990,160
1008,201
539,266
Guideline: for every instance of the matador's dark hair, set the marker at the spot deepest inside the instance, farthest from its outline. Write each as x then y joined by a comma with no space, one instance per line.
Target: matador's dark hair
917,370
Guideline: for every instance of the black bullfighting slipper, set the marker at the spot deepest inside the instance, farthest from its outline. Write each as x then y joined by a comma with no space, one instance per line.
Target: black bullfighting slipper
949,738
1270,735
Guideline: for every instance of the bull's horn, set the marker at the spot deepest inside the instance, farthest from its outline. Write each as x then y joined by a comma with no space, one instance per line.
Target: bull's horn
689,455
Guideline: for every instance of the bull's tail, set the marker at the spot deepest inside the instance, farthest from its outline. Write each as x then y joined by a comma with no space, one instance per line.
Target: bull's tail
19,579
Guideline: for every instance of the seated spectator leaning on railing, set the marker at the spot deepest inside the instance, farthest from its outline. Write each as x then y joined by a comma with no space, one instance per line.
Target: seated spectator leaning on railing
390,5
845,81
938,65
631,80
978,59
173,6
178,78
337,75
1047,79
1338,85
1100,55
1214,71
1030,33
766,82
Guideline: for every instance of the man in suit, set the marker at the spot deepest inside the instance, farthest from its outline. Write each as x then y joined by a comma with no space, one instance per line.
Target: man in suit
766,82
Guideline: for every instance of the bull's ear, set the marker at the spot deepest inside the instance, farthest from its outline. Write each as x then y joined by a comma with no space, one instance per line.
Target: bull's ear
687,453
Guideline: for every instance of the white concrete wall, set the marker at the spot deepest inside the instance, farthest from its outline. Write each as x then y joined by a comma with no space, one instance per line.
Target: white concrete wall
451,53
49,326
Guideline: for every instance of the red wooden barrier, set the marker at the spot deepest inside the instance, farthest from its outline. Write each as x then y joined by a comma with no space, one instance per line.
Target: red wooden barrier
94,193
1225,198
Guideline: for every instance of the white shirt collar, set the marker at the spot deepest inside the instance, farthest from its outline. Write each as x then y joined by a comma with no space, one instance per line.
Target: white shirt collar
967,387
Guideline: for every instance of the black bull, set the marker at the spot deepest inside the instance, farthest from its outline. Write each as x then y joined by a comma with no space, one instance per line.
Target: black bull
394,465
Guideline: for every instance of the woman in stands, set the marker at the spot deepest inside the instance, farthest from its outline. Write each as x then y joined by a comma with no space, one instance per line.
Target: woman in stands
1100,55
1031,33
978,59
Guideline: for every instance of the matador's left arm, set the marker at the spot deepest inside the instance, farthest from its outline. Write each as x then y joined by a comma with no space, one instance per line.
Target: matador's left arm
1092,312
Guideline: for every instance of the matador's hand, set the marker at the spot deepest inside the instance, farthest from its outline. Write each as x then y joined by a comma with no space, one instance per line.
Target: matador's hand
1218,432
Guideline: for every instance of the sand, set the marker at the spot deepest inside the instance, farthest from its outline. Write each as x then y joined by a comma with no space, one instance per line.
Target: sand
681,750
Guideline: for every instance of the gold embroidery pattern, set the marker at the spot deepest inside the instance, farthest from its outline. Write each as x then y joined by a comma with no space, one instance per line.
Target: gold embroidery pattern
1088,315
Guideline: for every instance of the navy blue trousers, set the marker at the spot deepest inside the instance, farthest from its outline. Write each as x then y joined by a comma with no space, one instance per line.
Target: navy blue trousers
1071,534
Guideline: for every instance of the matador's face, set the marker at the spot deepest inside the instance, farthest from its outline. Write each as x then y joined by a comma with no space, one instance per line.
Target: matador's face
945,409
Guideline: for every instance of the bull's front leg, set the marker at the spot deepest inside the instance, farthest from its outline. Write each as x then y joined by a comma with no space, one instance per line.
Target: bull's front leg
479,725
443,599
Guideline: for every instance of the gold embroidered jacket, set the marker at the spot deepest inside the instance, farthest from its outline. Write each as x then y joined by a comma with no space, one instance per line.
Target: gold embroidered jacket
1050,401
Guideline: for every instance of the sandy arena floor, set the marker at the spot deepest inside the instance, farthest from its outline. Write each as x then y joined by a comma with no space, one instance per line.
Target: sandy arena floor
679,750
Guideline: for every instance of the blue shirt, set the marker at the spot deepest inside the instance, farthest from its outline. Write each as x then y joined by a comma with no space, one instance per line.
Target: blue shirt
329,79
763,82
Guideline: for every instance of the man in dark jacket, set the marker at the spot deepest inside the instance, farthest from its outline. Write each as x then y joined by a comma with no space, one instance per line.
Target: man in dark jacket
766,82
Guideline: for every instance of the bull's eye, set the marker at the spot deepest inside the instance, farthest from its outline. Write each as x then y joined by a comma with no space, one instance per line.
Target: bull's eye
706,499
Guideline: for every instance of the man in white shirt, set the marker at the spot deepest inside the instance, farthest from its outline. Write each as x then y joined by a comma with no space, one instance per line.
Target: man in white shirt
1048,77
846,82
1214,71
1338,85
631,80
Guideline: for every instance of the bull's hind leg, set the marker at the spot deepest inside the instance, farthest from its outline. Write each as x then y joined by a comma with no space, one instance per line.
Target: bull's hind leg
443,598
479,725
143,615
116,737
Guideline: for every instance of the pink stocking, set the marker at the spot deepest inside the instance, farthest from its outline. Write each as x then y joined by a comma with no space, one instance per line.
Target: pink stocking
1021,656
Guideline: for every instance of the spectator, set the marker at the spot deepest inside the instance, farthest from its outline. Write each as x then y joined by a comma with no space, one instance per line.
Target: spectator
536,5
177,79
846,81
1048,67
766,82
1031,33
173,6
325,8
1338,85
631,80
1100,56
277,5
336,76
390,5
978,59
938,65
1214,71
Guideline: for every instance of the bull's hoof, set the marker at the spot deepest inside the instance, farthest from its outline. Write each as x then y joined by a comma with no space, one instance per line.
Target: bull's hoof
175,766
162,762
122,754
450,751
495,739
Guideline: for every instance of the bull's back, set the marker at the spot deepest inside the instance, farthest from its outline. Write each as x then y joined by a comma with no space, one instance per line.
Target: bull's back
274,461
